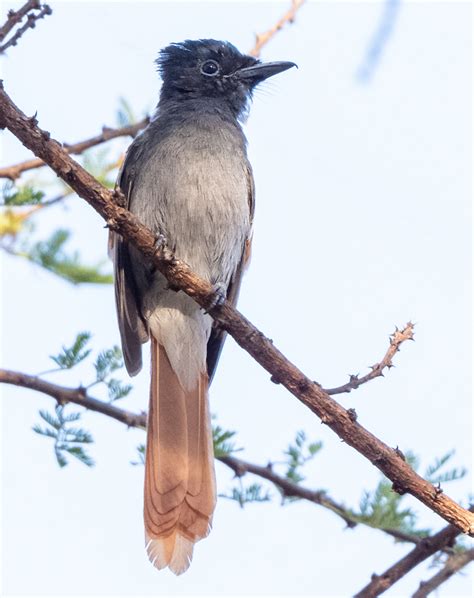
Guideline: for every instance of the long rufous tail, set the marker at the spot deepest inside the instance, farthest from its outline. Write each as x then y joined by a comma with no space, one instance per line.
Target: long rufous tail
180,488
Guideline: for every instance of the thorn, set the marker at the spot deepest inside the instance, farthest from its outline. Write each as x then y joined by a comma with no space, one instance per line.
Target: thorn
399,453
32,119
398,489
352,414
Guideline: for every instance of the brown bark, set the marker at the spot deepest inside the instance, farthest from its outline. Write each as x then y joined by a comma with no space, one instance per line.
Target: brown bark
424,549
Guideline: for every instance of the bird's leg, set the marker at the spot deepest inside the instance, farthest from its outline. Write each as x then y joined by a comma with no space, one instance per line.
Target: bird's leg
219,296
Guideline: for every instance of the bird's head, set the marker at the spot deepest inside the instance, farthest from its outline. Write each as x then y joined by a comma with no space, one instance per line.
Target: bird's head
207,68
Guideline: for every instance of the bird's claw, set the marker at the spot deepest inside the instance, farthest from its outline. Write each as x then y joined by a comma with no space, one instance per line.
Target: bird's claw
219,296
160,242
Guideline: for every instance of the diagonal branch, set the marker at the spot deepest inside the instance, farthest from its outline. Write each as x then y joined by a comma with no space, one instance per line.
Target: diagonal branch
15,170
261,39
15,18
453,565
343,422
79,396
396,339
287,487
423,550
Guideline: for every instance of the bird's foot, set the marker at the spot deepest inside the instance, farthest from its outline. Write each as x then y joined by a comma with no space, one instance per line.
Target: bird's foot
219,296
160,242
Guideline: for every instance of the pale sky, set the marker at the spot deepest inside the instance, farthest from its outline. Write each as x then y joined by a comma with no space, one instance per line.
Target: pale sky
362,223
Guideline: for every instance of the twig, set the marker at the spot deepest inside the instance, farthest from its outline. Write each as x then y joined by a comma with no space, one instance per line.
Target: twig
453,565
343,422
261,39
396,339
287,487
15,18
78,396
14,171
424,549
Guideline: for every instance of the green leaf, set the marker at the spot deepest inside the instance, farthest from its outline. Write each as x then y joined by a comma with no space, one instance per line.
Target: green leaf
298,454
221,438
21,196
50,254
141,455
107,362
117,390
66,439
79,453
248,494
447,476
71,356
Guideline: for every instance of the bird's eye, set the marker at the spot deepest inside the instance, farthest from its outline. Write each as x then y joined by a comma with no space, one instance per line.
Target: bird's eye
210,68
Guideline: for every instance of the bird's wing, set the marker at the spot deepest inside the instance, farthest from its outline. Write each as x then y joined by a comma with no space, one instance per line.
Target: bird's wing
217,337
133,329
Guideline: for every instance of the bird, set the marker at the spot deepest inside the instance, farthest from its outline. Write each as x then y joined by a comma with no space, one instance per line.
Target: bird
187,177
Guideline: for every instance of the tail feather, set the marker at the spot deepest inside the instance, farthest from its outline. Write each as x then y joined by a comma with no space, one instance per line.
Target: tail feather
180,493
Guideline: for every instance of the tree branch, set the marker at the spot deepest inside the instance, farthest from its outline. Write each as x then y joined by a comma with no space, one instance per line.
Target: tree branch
240,467
342,421
261,39
15,18
78,396
396,339
424,549
14,171
453,565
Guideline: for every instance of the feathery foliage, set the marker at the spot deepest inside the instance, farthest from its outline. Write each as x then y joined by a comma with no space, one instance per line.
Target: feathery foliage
67,439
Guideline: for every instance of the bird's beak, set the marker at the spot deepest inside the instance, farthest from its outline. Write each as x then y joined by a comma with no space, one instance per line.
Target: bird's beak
263,70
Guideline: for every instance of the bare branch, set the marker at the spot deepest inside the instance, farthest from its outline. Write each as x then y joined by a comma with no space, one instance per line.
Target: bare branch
342,421
15,18
78,396
288,488
261,39
424,549
14,171
396,339
453,565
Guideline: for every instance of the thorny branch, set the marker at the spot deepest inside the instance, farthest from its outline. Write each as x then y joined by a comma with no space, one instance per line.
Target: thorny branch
423,550
14,171
342,421
396,339
15,17
453,565
424,547
80,396
261,39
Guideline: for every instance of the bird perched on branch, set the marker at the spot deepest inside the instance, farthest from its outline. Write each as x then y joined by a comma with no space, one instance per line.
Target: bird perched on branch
186,177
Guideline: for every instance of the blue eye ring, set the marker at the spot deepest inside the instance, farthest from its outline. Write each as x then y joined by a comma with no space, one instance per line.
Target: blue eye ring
210,68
